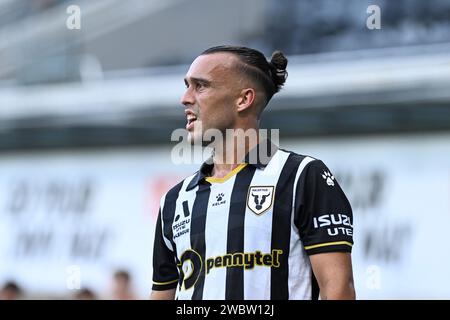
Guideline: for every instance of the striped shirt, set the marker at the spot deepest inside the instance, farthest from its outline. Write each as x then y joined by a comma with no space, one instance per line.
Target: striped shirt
248,235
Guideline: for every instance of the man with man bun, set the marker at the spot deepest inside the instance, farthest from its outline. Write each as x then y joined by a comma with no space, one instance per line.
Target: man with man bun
256,221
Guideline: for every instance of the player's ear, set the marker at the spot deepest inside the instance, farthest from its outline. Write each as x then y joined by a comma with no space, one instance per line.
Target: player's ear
246,99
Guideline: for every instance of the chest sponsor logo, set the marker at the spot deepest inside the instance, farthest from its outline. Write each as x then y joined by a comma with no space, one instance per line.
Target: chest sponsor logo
193,266
260,198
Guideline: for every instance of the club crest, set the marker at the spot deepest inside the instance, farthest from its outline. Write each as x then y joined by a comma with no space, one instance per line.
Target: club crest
260,198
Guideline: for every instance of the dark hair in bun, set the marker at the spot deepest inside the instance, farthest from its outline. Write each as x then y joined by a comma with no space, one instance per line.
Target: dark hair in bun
278,62
271,75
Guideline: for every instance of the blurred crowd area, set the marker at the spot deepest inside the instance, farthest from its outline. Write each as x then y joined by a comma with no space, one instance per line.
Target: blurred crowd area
321,26
121,288
37,48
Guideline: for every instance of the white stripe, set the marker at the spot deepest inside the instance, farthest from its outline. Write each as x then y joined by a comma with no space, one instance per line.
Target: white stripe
299,280
300,169
216,236
258,231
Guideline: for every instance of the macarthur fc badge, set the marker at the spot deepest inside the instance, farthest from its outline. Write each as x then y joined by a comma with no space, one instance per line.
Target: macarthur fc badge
260,198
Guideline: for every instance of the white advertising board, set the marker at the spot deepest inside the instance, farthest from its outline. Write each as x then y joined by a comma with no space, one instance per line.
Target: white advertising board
70,219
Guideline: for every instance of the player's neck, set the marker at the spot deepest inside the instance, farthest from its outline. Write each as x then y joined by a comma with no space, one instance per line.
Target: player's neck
231,154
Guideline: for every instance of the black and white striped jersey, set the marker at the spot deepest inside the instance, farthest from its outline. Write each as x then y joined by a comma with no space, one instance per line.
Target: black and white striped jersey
248,235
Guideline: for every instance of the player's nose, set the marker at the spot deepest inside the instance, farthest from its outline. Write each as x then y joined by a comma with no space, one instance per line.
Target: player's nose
188,98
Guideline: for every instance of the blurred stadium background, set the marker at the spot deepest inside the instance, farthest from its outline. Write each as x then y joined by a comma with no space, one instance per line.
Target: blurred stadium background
86,117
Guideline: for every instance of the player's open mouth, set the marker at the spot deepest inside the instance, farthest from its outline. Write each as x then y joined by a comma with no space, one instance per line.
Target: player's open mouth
190,122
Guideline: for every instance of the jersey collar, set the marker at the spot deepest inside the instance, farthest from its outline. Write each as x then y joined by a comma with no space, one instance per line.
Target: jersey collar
253,157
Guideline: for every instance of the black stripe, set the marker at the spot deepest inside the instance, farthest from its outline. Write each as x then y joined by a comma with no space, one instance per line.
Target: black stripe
169,214
198,223
281,227
234,289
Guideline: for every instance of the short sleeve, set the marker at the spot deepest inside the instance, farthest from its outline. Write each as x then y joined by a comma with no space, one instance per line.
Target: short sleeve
323,214
165,271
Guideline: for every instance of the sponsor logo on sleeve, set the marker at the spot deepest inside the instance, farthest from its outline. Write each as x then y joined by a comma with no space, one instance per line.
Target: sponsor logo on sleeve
336,224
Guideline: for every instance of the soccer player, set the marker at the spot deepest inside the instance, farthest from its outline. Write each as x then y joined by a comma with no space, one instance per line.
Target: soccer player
257,227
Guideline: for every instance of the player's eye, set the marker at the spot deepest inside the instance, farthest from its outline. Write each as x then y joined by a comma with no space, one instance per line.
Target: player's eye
201,85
